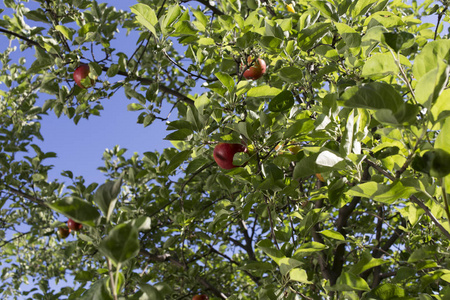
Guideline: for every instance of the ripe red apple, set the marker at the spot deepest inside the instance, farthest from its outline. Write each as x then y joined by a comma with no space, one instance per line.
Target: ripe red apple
63,232
74,225
81,73
256,70
200,297
224,153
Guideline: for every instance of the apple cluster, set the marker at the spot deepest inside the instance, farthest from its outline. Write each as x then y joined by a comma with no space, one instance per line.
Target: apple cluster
63,232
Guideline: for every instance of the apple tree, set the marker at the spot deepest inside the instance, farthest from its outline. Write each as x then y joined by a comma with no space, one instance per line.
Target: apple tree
341,192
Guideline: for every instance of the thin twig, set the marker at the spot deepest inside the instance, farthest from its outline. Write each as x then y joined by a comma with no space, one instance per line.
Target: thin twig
439,21
26,196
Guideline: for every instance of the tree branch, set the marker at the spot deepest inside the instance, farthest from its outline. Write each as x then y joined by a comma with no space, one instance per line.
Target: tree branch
248,241
324,267
22,37
430,215
168,258
26,196
214,9
255,279
162,87
413,199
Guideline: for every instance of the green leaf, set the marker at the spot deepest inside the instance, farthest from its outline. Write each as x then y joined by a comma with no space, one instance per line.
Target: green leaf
88,27
291,74
374,95
43,60
142,223
398,41
443,138
366,262
431,55
268,248
106,197
309,248
326,9
135,107
299,275
226,80
282,102
173,12
383,193
360,7
252,265
302,126
263,91
185,28
146,16
271,44
350,36
67,32
177,160
113,70
121,244
350,282
308,37
332,234
287,264
273,29
179,135
98,291
151,292
430,85
423,253
387,291
379,66
441,108
76,209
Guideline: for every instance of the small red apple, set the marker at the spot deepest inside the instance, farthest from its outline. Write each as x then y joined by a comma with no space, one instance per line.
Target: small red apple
63,232
74,225
81,73
200,297
224,153
256,70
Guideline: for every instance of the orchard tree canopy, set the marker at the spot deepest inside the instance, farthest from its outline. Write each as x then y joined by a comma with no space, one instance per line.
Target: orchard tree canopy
341,192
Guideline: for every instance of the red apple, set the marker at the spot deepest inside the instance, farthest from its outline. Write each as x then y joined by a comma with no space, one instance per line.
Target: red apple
200,297
81,73
63,232
224,153
74,225
256,70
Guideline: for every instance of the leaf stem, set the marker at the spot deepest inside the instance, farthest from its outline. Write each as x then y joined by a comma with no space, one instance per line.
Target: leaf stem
444,195
111,279
404,77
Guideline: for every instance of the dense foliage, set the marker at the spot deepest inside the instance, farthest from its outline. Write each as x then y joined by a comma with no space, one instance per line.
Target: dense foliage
340,194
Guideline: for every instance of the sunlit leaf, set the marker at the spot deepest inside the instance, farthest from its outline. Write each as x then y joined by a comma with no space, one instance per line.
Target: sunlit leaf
121,244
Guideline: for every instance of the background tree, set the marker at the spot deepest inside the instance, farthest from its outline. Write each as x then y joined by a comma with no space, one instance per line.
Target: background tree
340,194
